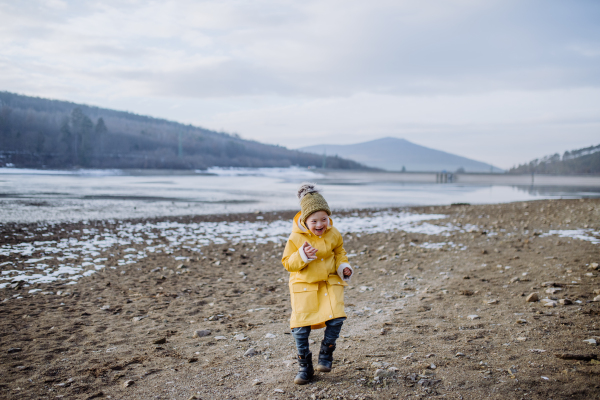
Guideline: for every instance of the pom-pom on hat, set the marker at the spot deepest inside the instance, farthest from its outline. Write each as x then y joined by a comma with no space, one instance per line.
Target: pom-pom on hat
311,201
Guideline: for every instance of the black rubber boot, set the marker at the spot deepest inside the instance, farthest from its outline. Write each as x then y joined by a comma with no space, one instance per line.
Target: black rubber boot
306,371
325,357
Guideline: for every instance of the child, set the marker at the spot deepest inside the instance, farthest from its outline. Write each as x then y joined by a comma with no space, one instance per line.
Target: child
319,270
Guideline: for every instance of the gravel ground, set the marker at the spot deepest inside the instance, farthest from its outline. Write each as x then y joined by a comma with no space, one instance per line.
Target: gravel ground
441,315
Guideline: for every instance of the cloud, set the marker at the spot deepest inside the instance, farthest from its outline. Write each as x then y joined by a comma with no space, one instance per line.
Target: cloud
443,71
318,48
503,128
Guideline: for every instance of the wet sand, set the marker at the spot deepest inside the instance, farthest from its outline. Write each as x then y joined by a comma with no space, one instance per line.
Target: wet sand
441,315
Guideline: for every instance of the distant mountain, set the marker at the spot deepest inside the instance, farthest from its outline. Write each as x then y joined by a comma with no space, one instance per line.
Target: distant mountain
582,161
395,154
43,133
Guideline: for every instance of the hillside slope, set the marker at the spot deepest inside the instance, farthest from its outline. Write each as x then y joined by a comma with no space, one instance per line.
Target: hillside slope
38,133
395,154
581,161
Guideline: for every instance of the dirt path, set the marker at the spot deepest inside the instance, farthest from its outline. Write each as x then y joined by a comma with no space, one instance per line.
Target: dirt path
442,316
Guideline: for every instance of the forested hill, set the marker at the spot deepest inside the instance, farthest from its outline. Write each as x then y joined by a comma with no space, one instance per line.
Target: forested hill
43,133
582,161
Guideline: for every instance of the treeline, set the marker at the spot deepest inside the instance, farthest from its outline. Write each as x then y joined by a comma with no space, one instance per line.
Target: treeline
582,161
42,133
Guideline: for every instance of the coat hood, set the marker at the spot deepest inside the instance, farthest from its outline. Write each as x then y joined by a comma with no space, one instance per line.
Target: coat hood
300,227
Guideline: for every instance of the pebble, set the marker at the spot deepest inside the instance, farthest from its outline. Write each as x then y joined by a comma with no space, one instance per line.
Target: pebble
201,333
14,350
137,319
593,266
532,298
160,341
521,321
565,302
491,301
591,341
105,307
256,382
548,303
240,337
597,298
181,266
220,338
515,279
459,354
596,291
521,338
553,290
251,352
270,336
472,317
278,390
128,383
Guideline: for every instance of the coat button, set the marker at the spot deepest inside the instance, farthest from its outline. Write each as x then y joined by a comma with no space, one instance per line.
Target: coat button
319,237
325,294
330,316
304,288
321,259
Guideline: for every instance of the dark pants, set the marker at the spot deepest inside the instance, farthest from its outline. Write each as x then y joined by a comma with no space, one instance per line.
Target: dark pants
332,333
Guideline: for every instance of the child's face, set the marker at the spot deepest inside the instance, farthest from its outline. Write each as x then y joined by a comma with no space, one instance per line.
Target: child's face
317,222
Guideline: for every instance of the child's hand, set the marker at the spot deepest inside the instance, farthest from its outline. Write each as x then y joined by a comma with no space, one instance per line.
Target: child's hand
347,272
310,251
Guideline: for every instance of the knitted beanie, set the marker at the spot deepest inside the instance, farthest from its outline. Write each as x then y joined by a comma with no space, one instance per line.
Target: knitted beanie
311,201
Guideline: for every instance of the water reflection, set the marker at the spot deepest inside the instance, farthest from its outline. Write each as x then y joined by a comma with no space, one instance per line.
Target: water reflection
561,191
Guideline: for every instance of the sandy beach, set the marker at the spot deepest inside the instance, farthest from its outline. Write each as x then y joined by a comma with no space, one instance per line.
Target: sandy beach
443,305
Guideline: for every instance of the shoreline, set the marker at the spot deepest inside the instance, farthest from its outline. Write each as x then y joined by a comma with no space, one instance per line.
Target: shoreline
410,176
522,180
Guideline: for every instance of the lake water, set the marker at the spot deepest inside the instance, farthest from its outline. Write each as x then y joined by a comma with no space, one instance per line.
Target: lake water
54,196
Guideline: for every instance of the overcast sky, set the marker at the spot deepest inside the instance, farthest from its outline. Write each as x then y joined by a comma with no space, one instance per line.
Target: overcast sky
499,81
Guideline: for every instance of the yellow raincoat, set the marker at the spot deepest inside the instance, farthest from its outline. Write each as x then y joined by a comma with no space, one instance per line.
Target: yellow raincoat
316,287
